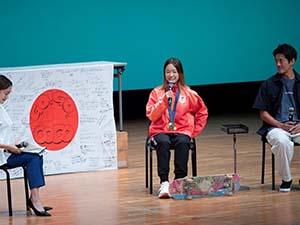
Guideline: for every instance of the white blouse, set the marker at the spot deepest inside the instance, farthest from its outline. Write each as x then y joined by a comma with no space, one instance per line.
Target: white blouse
6,134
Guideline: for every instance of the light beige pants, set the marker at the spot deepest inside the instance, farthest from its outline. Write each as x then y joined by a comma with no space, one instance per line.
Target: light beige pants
282,144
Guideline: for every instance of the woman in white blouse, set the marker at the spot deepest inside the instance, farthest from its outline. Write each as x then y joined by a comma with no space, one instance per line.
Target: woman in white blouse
12,156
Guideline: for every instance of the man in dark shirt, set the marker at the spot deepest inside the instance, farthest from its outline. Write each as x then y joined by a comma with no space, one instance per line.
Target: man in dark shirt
278,101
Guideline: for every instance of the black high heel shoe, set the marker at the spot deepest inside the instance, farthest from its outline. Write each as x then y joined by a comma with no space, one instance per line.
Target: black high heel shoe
47,208
37,212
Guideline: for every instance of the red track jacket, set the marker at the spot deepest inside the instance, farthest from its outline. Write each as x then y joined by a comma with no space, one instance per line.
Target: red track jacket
191,112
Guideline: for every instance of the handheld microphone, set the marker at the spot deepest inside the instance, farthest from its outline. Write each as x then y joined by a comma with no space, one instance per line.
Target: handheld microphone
171,84
22,144
291,114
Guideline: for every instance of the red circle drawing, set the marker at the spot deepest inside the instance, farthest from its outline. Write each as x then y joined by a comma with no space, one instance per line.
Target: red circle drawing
53,119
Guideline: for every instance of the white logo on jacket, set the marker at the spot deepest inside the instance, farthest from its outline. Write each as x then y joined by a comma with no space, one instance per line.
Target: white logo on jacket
182,99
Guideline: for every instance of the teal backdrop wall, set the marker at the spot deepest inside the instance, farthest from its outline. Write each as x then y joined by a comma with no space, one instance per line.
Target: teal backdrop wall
219,41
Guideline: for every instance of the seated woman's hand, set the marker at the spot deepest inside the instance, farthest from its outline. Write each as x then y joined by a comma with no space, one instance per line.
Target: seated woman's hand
14,149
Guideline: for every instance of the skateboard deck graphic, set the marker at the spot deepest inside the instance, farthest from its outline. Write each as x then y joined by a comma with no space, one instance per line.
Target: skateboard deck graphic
206,186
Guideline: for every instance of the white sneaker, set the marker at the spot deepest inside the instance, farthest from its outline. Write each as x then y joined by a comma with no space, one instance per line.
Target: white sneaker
163,191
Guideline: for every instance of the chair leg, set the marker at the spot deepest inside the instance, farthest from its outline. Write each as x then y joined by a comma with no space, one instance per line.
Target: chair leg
151,172
146,163
273,172
263,160
26,188
9,201
194,160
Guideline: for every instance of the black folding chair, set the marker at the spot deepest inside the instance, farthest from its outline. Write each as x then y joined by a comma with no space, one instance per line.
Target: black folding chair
150,147
9,195
264,142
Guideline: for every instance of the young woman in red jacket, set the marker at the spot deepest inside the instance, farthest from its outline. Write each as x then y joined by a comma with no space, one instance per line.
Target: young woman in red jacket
177,114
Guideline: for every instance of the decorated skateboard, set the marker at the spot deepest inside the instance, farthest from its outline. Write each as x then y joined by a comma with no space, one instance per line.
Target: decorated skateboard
207,186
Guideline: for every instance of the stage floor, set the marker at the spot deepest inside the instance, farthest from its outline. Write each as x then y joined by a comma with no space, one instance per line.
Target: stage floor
120,197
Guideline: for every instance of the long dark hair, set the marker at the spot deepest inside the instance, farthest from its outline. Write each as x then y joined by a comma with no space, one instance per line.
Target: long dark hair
178,65
5,82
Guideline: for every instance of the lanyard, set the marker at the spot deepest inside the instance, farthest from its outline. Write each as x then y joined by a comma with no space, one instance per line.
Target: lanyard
173,111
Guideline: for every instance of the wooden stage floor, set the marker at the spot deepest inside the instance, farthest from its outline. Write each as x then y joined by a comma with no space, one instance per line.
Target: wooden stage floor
120,197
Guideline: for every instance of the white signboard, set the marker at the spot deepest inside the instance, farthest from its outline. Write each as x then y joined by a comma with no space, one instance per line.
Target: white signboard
69,110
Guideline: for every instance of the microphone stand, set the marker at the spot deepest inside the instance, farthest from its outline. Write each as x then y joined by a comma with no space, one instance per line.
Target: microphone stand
235,129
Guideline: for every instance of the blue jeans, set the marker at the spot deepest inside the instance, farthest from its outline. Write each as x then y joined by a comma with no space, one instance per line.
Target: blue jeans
34,167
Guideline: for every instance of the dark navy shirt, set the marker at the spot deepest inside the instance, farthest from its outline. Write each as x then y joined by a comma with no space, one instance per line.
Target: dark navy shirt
269,98
287,102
